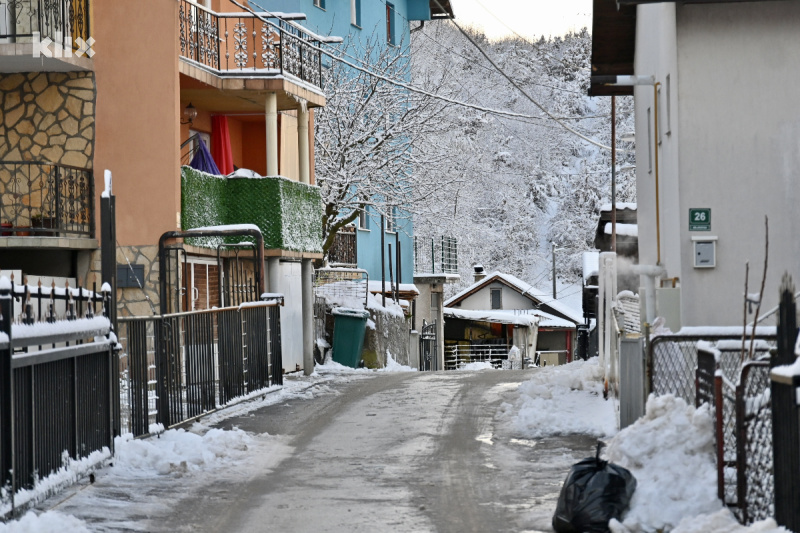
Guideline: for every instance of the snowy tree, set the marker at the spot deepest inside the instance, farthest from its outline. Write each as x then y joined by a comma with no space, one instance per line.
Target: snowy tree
523,182
367,136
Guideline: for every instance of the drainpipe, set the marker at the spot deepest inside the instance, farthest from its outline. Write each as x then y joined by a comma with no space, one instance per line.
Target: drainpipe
643,80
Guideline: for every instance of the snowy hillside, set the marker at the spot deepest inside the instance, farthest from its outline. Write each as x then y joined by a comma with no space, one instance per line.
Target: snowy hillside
510,186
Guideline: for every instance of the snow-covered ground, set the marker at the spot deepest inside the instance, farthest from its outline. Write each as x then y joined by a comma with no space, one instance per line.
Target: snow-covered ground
669,451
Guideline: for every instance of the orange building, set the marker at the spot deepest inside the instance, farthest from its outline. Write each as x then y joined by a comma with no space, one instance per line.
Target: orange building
90,85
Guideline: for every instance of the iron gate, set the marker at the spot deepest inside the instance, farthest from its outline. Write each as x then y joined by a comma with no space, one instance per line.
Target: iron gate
428,359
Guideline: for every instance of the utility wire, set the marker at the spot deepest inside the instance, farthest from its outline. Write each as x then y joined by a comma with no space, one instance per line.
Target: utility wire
417,90
520,89
527,40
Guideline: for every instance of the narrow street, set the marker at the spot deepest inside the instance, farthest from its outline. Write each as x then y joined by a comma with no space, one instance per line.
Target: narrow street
382,452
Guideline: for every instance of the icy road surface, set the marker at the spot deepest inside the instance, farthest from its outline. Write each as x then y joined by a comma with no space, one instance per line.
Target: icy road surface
372,452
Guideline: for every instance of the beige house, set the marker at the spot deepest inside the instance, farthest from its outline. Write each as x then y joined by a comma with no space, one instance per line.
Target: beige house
716,145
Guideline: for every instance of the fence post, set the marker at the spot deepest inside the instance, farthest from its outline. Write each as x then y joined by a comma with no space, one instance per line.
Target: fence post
108,246
785,419
6,393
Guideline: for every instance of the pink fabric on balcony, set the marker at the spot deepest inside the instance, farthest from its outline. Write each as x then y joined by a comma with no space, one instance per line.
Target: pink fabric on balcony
221,144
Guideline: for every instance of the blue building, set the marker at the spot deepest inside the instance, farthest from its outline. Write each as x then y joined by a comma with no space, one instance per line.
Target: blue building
354,21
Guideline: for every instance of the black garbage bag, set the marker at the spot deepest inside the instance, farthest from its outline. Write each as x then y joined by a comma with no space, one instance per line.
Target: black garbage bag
594,492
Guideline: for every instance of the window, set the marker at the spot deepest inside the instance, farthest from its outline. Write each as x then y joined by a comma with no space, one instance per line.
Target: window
355,12
497,298
390,29
363,219
390,221
320,4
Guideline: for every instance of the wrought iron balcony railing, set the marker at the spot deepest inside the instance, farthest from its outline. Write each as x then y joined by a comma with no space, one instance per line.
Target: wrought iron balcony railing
344,251
61,21
237,44
45,200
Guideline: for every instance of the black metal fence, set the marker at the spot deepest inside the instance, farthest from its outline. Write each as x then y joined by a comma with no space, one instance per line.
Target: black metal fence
180,366
44,199
61,21
41,303
240,43
58,398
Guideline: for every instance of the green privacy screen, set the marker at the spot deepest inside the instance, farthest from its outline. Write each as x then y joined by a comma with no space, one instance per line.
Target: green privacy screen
288,213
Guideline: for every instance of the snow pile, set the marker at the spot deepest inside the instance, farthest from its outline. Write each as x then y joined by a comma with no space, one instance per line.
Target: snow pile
48,522
331,367
562,400
670,452
394,366
178,450
484,365
723,522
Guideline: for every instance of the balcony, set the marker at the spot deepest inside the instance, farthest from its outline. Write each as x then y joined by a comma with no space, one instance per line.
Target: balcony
242,45
41,199
344,251
288,213
436,255
45,35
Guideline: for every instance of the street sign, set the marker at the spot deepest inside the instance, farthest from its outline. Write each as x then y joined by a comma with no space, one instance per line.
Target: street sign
700,219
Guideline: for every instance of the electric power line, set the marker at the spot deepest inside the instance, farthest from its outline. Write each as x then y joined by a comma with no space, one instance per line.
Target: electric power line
417,90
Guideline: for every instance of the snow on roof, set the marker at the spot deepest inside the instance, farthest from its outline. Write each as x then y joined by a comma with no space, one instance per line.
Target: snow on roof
375,286
524,289
620,205
546,320
591,265
500,317
629,230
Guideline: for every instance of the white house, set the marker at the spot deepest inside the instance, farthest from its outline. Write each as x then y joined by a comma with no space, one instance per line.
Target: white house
717,145
557,322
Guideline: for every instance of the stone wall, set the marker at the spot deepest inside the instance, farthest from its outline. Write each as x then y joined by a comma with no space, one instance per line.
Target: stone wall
133,301
391,333
48,116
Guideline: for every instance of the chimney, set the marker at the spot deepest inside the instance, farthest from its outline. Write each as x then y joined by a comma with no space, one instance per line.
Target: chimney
479,273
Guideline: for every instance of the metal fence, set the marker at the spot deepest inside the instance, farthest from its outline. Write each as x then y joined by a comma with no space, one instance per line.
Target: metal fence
44,199
61,21
457,356
437,255
40,303
739,398
241,43
58,398
177,367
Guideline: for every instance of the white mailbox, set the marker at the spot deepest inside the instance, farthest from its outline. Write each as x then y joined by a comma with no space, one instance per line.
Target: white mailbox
705,252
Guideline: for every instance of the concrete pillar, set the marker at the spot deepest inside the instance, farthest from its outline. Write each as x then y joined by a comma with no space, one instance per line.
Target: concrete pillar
302,146
307,274
272,134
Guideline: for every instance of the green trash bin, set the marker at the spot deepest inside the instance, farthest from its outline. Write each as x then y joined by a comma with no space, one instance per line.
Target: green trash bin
349,326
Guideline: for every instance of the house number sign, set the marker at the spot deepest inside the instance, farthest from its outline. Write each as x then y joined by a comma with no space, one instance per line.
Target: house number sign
700,219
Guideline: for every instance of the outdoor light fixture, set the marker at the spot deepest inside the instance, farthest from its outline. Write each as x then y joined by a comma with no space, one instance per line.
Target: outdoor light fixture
190,113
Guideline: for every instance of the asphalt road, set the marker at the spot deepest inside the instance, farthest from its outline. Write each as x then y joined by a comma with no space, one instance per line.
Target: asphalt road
394,452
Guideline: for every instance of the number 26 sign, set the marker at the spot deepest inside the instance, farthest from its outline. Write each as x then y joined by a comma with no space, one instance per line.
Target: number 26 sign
700,219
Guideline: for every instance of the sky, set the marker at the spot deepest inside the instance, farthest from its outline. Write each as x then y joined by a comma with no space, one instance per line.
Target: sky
529,18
